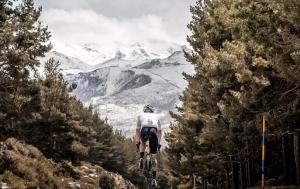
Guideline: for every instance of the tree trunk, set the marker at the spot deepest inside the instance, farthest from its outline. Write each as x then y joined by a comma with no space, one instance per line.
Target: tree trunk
203,184
228,185
248,173
289,167
247,167
235,175
241,177
297,154
284,158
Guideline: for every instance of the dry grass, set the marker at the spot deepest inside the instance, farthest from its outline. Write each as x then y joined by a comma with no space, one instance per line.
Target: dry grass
23,166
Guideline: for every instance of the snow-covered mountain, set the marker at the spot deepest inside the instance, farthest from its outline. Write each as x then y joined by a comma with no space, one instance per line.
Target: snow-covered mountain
119,87
67,64
94,53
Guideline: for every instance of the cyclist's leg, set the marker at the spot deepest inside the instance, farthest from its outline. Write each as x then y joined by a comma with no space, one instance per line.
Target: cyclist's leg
154,164
142,145
153,147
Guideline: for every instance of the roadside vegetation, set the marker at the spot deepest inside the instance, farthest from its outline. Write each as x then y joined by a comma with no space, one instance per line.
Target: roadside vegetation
36,109
247,60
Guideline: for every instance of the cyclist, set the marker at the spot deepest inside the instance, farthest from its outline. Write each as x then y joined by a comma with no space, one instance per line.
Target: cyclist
148,124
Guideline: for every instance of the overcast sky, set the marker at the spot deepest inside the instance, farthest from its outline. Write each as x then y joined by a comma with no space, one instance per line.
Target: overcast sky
108,21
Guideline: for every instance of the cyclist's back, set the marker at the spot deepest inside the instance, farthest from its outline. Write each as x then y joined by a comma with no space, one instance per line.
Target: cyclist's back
147,119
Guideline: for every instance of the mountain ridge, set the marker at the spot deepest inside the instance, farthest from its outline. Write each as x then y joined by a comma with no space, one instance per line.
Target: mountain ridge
118,88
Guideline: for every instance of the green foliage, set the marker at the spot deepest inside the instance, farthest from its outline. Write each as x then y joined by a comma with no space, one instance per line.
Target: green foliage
247,65
132,172
79,149
106,182
39,110
22,41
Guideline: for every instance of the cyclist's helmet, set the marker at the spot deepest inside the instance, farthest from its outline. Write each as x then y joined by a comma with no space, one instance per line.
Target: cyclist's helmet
148,108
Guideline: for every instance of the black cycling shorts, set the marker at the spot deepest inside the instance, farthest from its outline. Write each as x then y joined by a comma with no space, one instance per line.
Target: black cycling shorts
150,132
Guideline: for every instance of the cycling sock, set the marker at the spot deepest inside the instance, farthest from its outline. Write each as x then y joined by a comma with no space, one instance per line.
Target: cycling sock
154,174
142,154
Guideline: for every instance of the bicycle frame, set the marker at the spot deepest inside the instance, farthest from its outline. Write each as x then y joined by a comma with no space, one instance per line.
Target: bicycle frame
148,164
147,146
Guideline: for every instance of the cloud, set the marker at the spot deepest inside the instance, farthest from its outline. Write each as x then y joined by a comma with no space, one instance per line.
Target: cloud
86,26
115,21
121,8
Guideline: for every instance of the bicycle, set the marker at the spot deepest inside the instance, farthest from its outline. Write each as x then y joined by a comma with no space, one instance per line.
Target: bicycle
147,168
147,164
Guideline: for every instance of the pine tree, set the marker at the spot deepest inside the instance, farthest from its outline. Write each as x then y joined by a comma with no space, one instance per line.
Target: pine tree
246,61
23,40
40,110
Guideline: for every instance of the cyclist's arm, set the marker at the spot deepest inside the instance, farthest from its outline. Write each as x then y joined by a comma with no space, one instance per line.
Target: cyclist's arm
138,130
159,133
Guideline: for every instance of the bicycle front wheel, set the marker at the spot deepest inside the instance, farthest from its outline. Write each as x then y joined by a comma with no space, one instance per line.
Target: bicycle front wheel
148,166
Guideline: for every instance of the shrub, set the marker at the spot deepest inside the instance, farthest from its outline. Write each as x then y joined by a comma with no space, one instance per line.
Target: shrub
79,149
106,182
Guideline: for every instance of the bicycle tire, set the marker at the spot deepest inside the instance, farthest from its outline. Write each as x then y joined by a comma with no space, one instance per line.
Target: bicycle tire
149,183
148,167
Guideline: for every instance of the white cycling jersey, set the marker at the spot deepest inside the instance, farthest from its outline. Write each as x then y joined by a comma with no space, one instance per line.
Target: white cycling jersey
147,119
